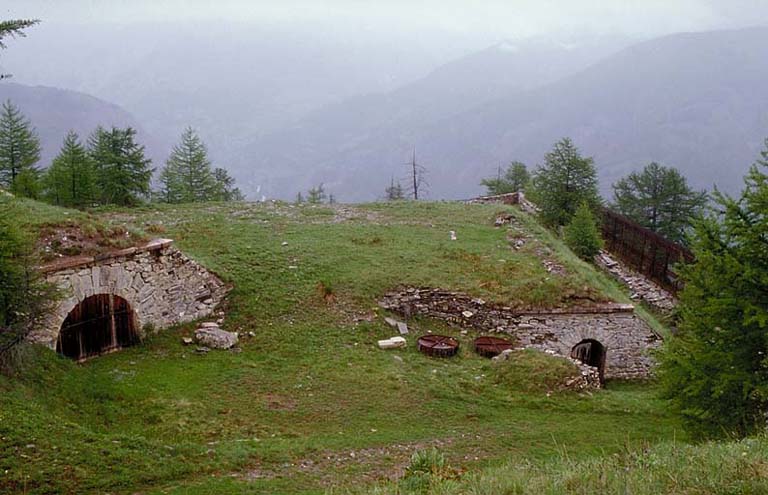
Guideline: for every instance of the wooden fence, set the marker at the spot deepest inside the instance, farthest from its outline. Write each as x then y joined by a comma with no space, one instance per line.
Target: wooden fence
644,250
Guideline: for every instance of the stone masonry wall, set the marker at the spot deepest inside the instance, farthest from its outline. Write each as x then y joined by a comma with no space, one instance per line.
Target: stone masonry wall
162,286
626,337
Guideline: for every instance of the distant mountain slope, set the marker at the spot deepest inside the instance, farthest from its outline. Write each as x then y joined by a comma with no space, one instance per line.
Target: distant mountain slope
697,101
54,112
327,135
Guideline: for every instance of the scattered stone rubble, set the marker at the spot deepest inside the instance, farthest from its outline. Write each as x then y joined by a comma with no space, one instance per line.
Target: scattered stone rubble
641,288
626,337
588,377
211,336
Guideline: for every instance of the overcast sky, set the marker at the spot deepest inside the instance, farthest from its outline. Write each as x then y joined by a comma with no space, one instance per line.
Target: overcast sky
489,18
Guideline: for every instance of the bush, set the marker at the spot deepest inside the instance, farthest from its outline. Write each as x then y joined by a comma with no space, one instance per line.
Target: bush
24,298
582,234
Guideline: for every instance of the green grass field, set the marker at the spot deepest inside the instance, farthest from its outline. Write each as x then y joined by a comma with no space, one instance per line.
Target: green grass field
310,405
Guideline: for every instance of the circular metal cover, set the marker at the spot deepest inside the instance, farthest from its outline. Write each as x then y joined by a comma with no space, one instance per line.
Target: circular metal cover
438,345
492,346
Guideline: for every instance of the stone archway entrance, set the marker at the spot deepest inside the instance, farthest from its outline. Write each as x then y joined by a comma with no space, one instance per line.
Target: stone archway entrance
99,324
592,353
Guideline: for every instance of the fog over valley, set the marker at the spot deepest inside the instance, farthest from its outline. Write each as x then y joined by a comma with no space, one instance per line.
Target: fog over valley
291,95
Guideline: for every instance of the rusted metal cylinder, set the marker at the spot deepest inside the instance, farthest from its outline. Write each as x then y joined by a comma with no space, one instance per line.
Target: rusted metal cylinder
438,345
492,346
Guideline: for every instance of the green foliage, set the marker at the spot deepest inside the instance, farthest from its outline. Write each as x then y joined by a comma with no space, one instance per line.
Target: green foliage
224,187
71,178
187,175
14,29
24,298
394,192
19,152
582,234
660,199
715,368
515,179
122,171
426,468
564,182
316,195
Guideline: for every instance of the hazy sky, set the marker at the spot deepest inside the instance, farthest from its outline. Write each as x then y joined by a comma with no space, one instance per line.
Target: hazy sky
491,18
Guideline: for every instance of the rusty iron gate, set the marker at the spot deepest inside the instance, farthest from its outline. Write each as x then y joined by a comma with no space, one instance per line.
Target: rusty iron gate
644,250
97,325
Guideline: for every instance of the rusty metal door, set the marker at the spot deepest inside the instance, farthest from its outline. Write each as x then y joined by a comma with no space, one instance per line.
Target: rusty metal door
99,324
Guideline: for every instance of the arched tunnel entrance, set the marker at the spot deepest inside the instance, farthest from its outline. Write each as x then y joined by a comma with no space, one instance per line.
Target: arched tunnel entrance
99,324
592,353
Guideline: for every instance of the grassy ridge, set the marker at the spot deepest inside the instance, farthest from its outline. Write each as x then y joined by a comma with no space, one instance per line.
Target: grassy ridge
310,402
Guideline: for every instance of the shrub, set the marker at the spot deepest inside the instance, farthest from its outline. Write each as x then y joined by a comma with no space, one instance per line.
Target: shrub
582,234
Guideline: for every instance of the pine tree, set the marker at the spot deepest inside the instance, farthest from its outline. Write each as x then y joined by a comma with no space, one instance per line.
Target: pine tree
316,195
71,178
715,367
514,179
299,198
224,187
14,29
122,171
660,199
19,152
395,191
25,298
564,182
187,176
582,234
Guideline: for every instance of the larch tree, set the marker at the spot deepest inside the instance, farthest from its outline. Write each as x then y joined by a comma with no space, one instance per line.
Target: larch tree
514,179
316,195
394,192
715,367
187,176
563,182
122,171
71,178
224,186
13,29
582,234
660,199
19,152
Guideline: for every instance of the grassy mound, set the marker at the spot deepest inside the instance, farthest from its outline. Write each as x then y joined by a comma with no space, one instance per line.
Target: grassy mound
532,371
310,402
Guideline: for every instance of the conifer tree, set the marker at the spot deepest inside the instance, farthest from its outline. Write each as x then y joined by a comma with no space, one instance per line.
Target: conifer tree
564,182
715,367
19,152
14,29
582,234
316,195
187,176
395,191
514,179
660,199
71,179
122,171
224,186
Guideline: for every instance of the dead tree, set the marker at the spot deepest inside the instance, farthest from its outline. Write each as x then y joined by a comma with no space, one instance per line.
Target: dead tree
417,177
